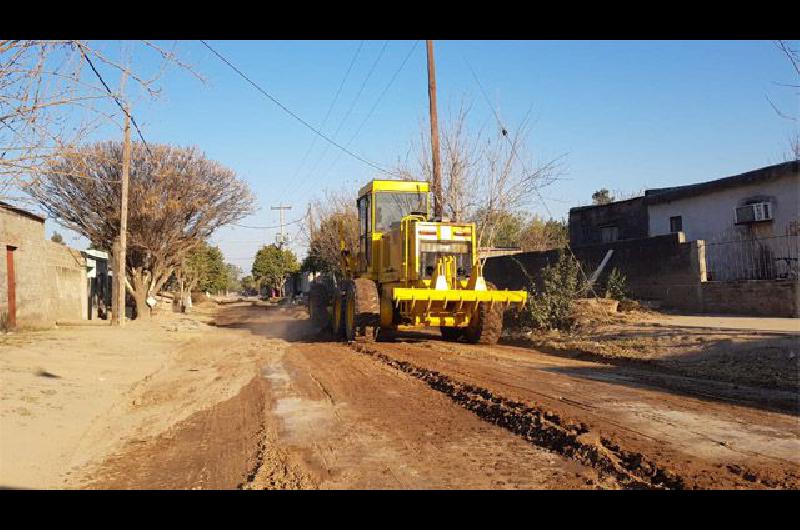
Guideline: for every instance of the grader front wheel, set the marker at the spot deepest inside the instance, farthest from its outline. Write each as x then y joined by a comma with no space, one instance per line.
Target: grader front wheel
451,333
486,324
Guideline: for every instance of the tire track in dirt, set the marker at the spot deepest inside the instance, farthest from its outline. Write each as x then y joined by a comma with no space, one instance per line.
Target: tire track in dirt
541,426
226,446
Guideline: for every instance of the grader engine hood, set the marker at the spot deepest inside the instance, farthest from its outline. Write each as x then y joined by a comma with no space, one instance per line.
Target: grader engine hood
445,276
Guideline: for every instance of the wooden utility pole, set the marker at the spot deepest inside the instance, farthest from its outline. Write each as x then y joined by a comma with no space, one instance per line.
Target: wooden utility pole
122,242
438,196
281,239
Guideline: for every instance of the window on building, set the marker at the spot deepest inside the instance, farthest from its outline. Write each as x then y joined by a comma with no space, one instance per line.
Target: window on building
609,233
676,224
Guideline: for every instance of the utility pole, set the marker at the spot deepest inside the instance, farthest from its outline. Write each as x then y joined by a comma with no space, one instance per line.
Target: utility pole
438,197
282,237
122,241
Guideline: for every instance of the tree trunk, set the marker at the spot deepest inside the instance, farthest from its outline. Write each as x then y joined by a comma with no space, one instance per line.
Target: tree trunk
140,288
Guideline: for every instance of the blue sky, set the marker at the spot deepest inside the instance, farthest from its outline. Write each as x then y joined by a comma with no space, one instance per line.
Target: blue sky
625,115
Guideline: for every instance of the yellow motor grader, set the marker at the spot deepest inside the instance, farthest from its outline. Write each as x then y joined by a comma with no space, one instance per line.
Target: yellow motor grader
410,271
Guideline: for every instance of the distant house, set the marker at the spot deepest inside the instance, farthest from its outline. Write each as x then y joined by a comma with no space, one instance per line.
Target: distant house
615,221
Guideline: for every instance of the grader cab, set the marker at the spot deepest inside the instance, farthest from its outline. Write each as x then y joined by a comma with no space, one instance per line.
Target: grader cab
410,271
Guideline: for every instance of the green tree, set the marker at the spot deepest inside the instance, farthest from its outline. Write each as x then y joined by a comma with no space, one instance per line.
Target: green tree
602,196
202,269
249,285
232,275
57,238
272,265
500,229
539,234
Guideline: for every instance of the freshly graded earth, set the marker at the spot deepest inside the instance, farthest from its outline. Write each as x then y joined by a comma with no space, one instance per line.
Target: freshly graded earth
247,396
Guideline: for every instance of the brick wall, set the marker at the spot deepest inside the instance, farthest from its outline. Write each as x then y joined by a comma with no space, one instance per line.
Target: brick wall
27,234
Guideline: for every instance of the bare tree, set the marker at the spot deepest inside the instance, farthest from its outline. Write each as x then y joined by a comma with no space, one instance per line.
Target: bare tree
484,176
54,93
793,56
177,197
332,218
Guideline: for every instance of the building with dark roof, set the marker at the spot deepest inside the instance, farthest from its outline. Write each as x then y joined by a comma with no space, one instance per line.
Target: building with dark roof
758,203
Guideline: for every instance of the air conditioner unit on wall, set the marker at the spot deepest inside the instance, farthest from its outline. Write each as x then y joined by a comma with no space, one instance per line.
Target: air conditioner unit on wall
752,213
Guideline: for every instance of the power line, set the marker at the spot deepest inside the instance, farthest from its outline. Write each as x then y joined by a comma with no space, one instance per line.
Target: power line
503,130
352,106
380,97
514,154
273,227
330,109
291,113
327,115
116,99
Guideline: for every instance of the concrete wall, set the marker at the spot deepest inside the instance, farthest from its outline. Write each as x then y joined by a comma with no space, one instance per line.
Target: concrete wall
710,215
50,278
66,270
665,268
586,222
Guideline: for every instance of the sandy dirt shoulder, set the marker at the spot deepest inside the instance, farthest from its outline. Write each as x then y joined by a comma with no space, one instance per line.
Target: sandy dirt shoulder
72,396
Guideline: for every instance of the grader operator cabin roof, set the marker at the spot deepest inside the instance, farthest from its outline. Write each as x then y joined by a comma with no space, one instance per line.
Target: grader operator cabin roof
394,185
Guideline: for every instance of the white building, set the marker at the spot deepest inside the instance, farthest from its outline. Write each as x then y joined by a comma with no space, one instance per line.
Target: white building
750,222
759,203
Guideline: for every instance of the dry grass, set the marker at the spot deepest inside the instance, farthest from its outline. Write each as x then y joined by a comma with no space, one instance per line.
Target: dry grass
742,357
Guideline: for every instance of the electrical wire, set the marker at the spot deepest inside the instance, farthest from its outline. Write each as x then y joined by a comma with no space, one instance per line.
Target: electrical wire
350,110
504,132
377,101
292,114
301,219
327,114
116,99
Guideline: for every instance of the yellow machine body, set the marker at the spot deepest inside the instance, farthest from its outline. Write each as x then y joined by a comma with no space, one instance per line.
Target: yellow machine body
428,273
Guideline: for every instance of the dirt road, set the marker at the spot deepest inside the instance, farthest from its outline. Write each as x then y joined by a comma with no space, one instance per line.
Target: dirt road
260,400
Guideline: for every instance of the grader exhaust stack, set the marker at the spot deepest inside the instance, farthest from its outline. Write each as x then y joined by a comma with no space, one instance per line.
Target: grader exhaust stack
410,271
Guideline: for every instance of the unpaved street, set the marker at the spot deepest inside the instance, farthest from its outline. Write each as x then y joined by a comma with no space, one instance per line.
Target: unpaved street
260,400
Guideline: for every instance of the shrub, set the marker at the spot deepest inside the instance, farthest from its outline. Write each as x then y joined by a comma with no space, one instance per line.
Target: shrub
616,285
553,307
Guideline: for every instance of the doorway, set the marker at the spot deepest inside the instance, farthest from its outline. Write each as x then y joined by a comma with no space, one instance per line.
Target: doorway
11,321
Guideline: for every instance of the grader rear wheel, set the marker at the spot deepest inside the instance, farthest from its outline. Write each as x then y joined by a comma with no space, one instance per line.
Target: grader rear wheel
362,309
338,321
318,300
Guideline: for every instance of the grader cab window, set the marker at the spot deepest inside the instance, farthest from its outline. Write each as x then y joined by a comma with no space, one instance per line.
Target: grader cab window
364,228
390,207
